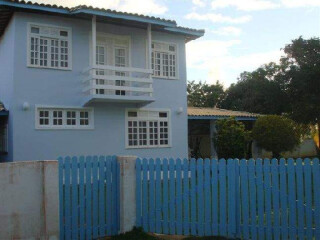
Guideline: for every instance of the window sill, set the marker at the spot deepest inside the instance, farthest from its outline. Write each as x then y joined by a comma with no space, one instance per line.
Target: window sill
64,128
150,147
51,68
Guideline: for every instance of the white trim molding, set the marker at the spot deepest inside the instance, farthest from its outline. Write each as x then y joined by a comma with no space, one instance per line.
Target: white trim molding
49,46
165,52
147,128
63,118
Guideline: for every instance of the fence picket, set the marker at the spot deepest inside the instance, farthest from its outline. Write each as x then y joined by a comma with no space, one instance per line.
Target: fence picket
114,196
268,197
179,197
214,191
207,196
200,202
283,199
308,195
193,197
61,199
109,195
244,198
186,193
101,196
82,197
253,200
275,198
165,197
88,198
67,210
158,195
95,203
145,216
74,197
292,199
260,197
172,191
138,193
300,199
316,188
231,198
223,199
151,196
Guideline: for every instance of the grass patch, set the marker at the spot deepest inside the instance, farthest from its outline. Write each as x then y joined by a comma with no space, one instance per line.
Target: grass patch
139,234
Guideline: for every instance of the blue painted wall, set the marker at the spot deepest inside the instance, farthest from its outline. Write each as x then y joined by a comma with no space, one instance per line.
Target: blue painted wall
7,48
64,88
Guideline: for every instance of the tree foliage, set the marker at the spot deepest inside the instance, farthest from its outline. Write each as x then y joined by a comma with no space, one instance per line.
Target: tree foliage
203,94
231,139
301,79
276,134
257,92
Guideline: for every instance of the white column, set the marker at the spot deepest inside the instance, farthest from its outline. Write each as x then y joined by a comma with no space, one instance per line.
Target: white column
149,46
127,192
94,39
212,133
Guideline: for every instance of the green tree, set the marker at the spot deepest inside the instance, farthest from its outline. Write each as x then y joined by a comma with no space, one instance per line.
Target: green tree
231,139
276,134
203,94
257,92
300,77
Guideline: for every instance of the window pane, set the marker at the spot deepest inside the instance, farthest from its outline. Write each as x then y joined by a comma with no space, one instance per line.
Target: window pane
71,118
57,117
35,30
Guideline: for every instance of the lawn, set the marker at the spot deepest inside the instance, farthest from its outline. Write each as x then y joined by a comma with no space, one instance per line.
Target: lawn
138,234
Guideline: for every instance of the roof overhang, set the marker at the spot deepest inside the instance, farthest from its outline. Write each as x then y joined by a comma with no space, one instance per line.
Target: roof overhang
7,8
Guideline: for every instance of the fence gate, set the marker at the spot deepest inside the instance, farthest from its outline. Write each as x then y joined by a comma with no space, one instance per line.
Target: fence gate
89,197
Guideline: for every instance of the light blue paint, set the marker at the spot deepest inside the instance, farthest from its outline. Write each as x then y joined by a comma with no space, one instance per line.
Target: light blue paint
138,193
151,196
275,198
255,188
76,220
179,196
64,88
172,197
158,195
283,199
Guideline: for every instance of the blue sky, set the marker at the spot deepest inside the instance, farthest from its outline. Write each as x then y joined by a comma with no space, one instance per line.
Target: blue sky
240,34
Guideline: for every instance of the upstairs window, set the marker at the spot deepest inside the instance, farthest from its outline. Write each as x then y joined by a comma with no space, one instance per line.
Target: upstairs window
49,47
164,60
147,128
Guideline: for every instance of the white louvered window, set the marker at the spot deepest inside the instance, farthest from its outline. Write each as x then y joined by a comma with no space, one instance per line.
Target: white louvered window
147,128
64,118
163,60
49,47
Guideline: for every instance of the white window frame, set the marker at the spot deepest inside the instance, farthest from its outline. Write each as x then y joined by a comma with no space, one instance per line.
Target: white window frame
64,125
127,119
114,45
69,39
162,76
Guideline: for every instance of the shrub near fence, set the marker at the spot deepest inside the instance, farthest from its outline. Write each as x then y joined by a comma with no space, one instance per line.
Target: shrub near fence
254,199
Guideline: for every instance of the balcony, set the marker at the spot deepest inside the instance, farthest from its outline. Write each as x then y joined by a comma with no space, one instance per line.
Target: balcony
105,83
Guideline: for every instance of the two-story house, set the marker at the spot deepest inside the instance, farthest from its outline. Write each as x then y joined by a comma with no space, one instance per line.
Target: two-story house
82,81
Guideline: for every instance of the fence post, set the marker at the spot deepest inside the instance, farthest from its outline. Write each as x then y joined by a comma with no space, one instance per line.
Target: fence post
127,192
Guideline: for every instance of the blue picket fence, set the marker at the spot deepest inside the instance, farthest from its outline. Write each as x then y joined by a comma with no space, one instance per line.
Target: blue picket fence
254,199
89,197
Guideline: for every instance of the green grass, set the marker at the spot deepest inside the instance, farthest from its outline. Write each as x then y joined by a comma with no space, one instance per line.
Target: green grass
139,234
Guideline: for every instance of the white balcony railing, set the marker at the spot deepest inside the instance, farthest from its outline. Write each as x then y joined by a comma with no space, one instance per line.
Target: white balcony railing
118,83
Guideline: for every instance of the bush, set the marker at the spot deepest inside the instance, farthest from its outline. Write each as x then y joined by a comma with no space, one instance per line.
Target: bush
231,139
276,134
